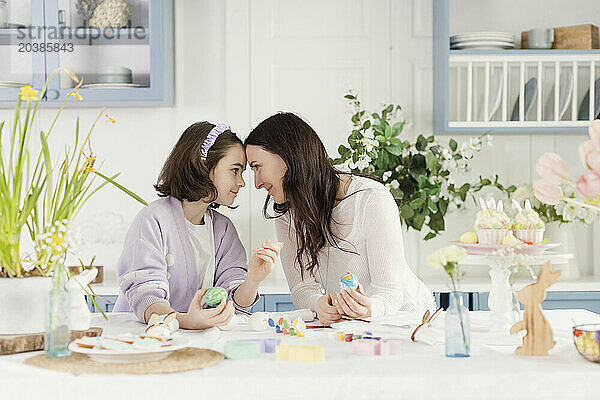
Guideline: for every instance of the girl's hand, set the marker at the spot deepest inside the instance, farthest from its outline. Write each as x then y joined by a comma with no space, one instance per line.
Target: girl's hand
262,261
352,303
326,313
199,318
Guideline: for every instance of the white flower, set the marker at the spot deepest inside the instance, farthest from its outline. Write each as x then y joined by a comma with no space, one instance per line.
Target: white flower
450,254
369,134
569,212
590,217
387,175
466,151
395,184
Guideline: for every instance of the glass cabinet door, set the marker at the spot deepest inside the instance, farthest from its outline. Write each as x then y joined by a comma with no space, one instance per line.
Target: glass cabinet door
21,48
130,65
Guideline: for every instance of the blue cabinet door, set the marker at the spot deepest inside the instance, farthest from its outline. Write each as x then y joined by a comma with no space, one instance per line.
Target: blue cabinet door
260,306
559,301
107,303
278,303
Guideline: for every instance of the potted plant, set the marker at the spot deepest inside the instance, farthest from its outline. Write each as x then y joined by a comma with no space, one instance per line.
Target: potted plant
422,175
43,196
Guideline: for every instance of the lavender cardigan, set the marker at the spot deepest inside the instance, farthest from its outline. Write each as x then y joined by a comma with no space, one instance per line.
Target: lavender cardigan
158,263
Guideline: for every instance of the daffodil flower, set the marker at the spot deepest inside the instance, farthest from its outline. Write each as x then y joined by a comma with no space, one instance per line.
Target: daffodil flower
109,118
29,94
76,96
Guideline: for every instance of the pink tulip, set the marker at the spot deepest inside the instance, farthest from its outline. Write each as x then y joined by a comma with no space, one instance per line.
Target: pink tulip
590,155
594,131
588,184
552,168
547,192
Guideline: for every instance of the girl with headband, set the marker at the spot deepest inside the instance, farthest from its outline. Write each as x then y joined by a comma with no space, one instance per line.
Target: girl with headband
179,245
331,222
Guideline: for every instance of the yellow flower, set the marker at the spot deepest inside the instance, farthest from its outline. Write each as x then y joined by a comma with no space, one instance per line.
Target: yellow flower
57,244
76,96
109,118
27,93
90,170
90,160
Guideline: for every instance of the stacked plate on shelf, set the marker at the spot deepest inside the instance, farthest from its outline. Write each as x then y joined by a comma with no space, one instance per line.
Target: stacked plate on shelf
10,84
482,41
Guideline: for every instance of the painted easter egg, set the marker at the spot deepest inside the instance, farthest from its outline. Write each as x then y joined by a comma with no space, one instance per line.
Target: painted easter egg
348,281
214,295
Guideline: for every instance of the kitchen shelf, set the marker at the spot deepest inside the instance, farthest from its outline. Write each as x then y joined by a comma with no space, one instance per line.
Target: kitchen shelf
464,101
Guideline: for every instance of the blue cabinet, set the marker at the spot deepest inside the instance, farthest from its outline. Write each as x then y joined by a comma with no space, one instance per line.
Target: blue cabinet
106,303
278,303
130,66
558,300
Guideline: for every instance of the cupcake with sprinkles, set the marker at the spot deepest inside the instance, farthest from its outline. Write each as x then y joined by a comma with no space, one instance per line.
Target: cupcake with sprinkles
528,226
492,224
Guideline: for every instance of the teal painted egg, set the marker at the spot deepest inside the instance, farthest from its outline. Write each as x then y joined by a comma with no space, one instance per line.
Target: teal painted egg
348,281
214,295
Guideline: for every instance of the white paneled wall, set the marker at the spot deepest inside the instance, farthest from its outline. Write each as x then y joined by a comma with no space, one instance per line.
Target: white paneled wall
239,61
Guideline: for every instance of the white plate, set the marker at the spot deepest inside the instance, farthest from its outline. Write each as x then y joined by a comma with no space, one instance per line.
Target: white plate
482,39
484,249
482,44
530,95
504,35
111,86
564,97
495,95
128,356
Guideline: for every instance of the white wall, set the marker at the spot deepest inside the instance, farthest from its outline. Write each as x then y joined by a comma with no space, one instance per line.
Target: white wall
239,61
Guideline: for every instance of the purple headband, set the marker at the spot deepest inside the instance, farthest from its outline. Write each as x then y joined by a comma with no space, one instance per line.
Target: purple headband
211,137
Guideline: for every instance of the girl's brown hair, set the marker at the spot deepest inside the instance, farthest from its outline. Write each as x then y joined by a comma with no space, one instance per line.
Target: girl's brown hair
185,174
310,183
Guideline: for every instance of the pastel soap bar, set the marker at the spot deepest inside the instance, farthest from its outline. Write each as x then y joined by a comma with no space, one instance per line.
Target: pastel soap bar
370,347
308,354
242,350
267,345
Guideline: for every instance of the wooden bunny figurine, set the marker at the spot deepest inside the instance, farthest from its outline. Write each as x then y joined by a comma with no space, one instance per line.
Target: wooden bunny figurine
80,313
538,339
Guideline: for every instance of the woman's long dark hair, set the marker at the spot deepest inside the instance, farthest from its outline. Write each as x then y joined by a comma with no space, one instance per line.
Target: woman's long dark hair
310,183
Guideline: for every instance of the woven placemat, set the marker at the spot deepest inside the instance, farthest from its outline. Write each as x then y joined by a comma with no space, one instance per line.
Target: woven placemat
180,360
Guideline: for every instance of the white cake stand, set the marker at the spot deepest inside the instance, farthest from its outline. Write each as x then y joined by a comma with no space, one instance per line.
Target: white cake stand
500,300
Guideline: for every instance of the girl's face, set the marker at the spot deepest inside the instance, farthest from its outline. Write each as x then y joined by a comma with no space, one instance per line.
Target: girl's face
227,175
269,170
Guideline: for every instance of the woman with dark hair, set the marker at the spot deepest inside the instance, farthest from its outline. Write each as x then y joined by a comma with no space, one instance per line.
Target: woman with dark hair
179,245
331,222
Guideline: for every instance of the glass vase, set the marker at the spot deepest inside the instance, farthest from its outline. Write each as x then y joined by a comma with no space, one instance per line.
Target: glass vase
58,331
458,332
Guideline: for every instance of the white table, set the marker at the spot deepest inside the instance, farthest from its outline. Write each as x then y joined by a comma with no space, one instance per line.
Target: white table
420,371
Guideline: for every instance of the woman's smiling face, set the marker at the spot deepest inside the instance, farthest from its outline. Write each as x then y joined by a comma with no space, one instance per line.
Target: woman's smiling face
269,170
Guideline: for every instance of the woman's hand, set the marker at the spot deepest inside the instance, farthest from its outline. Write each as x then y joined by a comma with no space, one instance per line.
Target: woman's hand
326,313
262,261
352,303
199,318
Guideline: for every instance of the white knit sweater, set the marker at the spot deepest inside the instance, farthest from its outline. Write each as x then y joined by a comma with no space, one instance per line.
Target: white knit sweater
369,222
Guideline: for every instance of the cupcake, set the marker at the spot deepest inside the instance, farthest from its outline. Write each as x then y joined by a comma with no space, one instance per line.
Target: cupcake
491,224
528,226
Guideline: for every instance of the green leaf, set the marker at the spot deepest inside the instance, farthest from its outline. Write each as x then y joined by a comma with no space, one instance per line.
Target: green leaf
124,189
397,193
453,145
418,221
431,160
395,150
388,132
416,203
421,143
443,206
432,206
429,236
397,128
367,124
406,211
349,97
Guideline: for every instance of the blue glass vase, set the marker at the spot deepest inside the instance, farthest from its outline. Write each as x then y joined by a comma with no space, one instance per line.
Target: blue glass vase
58,332
458,332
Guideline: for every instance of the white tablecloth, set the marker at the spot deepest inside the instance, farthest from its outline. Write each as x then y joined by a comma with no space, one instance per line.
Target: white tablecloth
420,371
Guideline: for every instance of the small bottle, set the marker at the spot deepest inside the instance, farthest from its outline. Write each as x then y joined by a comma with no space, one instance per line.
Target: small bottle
58,330
458,332
3,13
